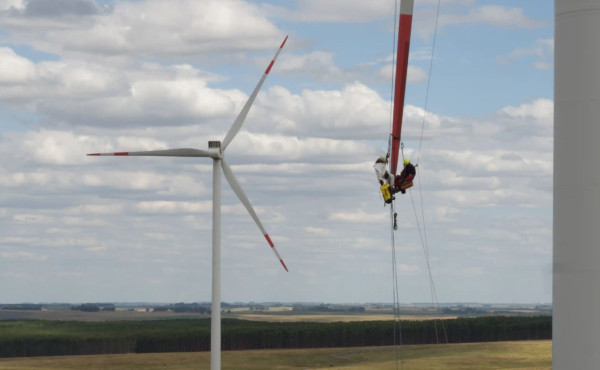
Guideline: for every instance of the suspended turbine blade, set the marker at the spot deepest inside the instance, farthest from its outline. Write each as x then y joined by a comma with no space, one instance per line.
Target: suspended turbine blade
183,152
237,189
237,124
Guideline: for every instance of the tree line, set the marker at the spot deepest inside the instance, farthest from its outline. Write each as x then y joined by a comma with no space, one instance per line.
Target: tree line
184,308
47,338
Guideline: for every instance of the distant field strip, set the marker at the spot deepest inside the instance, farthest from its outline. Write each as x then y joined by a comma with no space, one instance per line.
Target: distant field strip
324,317
471,356
275,315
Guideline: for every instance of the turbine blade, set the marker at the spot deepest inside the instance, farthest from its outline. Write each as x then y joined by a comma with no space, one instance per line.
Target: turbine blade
182,152
237,124
237,189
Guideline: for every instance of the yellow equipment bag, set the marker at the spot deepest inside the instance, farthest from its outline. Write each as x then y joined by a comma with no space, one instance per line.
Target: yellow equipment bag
385,191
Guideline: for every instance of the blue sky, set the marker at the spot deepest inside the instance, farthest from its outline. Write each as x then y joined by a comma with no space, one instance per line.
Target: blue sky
88,76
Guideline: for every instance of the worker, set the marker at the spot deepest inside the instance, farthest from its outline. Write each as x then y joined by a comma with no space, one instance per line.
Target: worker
384,178
404,181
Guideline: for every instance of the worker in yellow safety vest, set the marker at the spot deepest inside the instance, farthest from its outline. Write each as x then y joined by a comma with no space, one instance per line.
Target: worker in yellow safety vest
404,180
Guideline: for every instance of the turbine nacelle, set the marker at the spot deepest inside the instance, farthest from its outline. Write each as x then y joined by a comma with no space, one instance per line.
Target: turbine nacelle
214,149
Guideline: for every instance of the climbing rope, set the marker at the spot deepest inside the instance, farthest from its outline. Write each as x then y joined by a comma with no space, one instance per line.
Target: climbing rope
423,231
425,247
424,241
437,17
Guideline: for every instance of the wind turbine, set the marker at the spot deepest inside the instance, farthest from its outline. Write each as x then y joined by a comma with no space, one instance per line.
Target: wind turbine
216,151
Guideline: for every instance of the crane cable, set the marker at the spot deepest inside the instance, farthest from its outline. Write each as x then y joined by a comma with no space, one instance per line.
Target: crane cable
396,300
422,232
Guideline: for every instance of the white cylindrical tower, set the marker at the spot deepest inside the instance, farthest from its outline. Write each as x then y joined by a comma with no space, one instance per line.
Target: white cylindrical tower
215,311
576,270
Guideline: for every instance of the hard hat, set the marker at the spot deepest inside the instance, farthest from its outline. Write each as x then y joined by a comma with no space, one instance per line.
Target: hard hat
406,161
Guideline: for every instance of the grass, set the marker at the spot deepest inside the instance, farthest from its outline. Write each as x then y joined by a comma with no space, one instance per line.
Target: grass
480,356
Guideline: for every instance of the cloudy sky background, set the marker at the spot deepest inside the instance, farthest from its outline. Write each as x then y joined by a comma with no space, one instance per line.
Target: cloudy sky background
81,76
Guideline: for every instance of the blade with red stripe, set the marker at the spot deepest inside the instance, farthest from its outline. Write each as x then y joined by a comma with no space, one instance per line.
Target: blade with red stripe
182,152
404,28
237,189
237,124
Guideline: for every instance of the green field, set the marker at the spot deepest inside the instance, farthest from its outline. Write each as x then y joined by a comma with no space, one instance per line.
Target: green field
494,355
28,338
497,342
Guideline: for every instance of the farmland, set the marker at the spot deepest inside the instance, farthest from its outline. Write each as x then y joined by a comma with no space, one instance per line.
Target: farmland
266,312
480,356
258,337
44,338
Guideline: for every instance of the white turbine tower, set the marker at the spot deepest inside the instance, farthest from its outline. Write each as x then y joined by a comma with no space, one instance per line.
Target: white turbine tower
216,151
576,265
